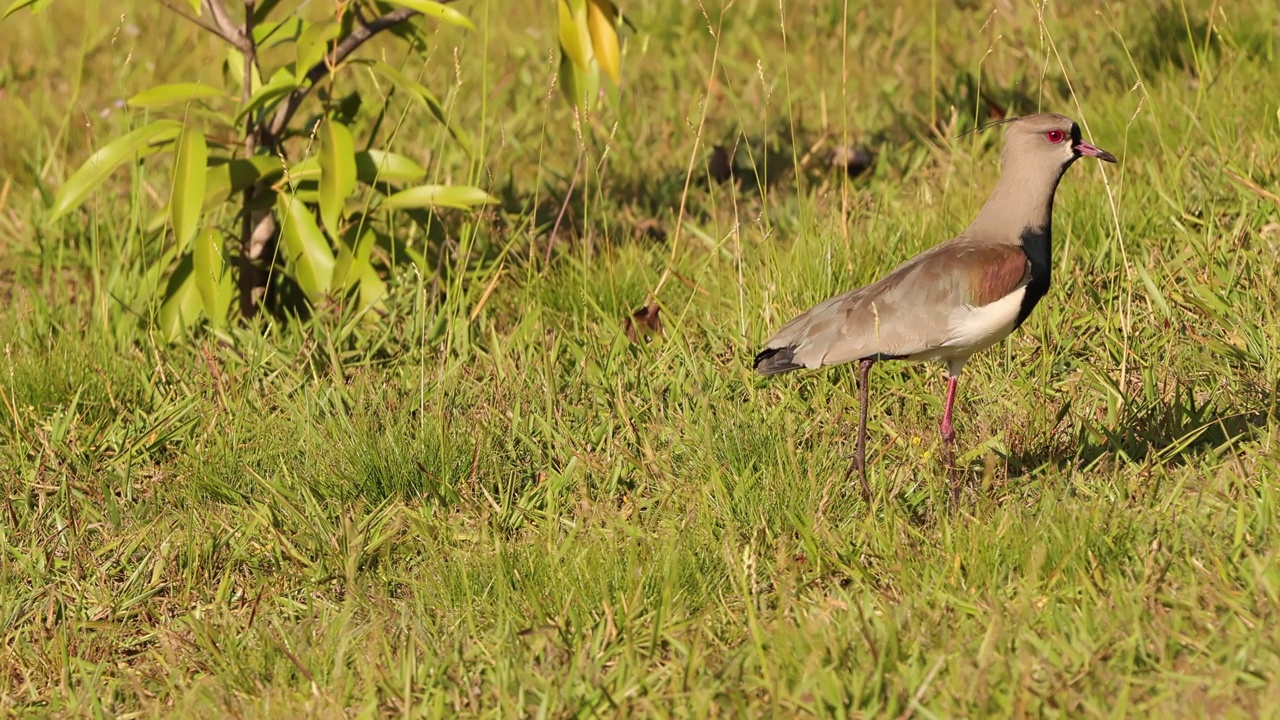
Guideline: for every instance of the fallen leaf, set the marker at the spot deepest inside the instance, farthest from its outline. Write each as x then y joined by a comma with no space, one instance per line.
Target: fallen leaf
643,321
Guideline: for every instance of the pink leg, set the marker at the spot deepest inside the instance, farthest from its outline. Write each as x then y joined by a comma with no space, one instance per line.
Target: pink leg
949,433
948,439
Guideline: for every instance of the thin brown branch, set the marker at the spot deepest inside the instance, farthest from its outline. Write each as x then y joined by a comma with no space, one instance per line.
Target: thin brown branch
227,28
252,131
564,207
232,39
256,229
318,71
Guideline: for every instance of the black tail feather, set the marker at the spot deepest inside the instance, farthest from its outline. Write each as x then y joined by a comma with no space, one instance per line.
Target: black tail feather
772,361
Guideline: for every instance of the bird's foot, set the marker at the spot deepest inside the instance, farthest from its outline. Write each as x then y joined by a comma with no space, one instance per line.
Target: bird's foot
859,466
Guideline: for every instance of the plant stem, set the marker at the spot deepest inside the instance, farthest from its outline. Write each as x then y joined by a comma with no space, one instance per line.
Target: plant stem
318,71
257,229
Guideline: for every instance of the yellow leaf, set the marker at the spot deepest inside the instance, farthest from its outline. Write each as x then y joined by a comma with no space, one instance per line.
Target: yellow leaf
603,27
575,37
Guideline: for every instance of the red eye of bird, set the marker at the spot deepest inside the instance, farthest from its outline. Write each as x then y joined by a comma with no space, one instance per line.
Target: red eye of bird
1055,136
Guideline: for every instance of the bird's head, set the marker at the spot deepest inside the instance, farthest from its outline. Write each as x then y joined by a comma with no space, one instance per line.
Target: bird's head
1048,140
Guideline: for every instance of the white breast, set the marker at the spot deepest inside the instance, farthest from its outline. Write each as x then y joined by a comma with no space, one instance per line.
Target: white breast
974,328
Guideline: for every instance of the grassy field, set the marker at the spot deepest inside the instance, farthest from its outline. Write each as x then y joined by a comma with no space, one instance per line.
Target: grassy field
493,503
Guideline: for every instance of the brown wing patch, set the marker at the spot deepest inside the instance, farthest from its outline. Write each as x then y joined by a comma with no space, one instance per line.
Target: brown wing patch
997,271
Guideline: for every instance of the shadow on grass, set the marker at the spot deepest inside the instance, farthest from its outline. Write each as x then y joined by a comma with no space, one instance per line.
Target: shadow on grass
1161,433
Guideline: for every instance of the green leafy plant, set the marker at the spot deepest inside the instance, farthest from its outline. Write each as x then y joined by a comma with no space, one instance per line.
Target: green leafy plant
589,45
296,199
308,203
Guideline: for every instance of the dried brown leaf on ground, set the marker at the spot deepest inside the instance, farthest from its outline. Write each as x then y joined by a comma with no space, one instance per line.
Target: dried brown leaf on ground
643,322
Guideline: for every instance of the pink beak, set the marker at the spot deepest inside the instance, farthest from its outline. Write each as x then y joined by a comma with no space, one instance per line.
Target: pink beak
1085,148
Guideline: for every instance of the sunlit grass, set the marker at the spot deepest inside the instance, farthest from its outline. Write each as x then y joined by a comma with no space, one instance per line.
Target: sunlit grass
493,503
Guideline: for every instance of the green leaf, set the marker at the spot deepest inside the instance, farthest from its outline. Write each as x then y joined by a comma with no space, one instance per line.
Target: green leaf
17,5
212,280
306,248
1153,291
227,179
230,178
372,289
307,168
148,286
337,172
181,307
162,95
313,45
462,197
371,165
187,197
352,251
235,69
195,7
374,166
420,93
102,163
581,86
272,33
263,9
353,268
443,13
281,84
307,192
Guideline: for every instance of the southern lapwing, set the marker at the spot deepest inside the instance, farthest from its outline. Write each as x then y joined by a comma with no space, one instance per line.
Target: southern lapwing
956,298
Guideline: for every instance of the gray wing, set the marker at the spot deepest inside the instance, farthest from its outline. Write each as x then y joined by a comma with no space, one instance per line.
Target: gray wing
905,314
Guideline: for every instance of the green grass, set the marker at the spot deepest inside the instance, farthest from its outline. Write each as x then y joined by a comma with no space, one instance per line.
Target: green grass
493,503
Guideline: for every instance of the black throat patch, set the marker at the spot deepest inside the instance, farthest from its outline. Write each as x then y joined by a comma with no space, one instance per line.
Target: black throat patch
1036,245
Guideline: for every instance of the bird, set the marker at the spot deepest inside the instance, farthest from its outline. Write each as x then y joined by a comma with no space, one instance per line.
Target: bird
956,298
